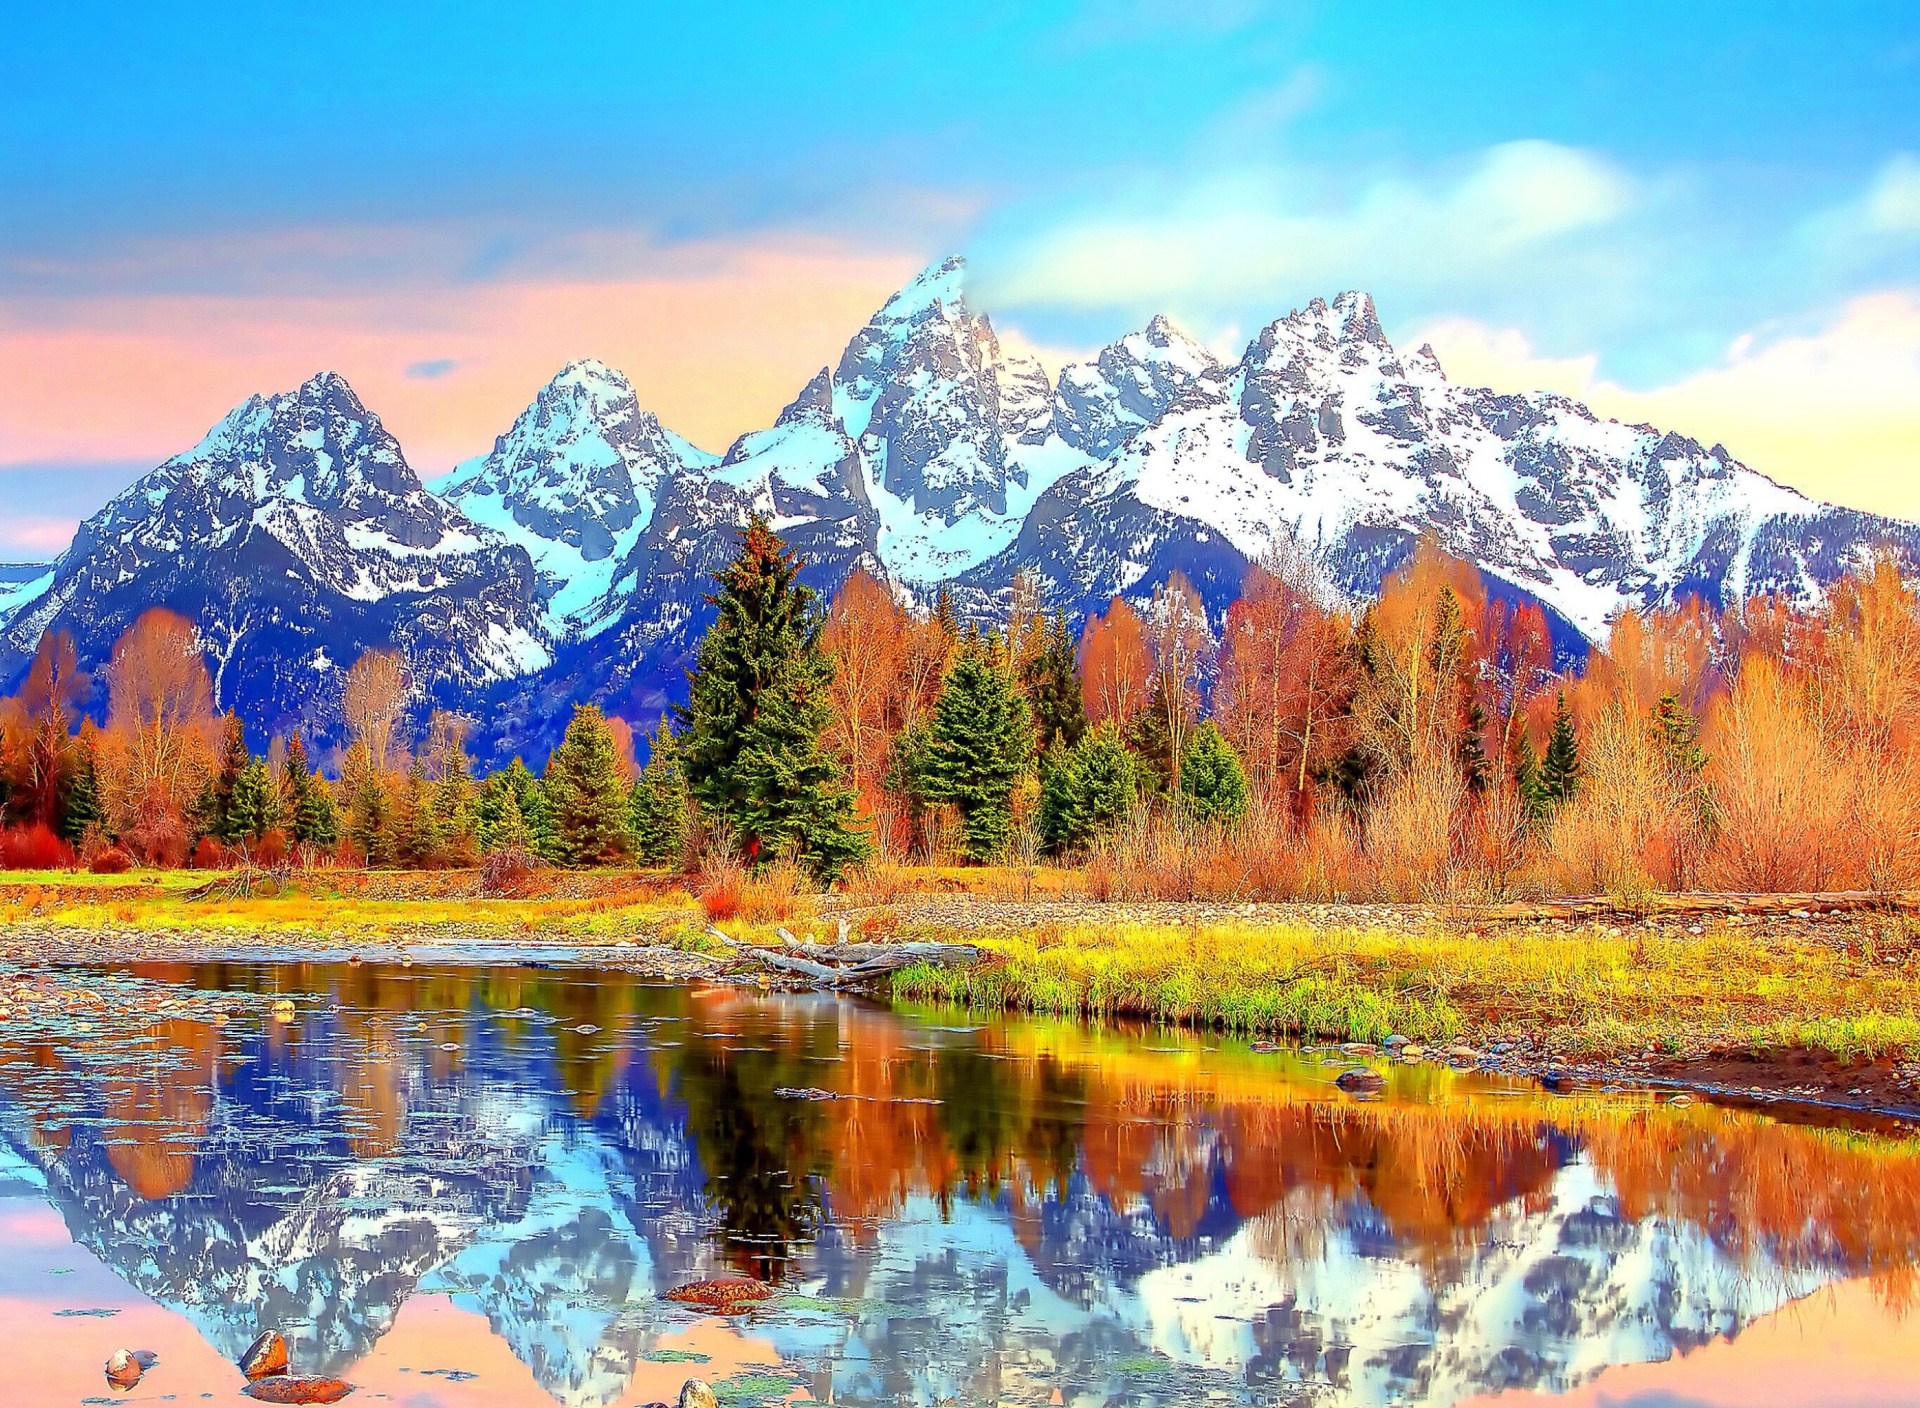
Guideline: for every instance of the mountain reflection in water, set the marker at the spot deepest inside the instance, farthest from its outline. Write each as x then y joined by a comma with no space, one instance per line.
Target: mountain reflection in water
981,1213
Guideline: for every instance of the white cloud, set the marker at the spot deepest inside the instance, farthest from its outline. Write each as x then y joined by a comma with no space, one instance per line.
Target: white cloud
1834,412
1893,203
1225,236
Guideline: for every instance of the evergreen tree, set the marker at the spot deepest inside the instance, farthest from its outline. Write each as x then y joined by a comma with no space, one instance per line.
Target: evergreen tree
454,820
979,746
1086,790
216,805
418,839
81,810
1676,735
659,803
1150,736
508,829
758,704
1057,818
253,804
306,802
1560,768
586,794
529,799
1213,785
370,820
1526,777
1052,679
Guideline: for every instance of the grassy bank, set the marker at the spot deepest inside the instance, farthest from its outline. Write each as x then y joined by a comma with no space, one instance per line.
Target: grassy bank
1588,992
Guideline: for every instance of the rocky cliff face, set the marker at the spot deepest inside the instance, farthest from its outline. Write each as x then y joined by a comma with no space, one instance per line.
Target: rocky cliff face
573,560
294,536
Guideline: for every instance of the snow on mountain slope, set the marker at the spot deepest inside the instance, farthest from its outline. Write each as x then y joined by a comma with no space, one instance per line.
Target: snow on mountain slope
294,535
1324,433
575,482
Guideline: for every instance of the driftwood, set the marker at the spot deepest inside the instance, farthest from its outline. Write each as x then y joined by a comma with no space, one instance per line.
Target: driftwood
844,964
1688,905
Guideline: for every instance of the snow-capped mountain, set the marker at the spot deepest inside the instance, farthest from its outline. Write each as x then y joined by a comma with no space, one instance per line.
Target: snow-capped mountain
575,482
573,560
294,535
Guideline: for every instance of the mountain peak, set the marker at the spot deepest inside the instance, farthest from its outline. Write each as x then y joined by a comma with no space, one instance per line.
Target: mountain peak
1358,320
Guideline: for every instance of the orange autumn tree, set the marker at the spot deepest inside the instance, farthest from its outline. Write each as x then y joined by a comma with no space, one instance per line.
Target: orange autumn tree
1287,677
1116,666
157,749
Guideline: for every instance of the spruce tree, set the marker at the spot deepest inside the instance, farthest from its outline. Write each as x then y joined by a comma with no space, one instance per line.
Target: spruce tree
1057,818
757,707
1213,786
1560,768
1052,679
81,809
508,829
370,821
306,802
659,802
1676,736
454,820
531,802
979,746
584,789
1087,790
216,805
1151,738
418,836
253,804
1526,777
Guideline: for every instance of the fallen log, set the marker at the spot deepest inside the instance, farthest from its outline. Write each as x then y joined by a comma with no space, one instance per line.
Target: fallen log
850,963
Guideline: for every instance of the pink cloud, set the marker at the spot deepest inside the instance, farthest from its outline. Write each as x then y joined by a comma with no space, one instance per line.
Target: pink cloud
714,347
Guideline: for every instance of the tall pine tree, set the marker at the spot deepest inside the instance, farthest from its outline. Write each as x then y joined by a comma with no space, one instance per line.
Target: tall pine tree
216,806
1052,680
757,707
82,809
1560,768
659,803
306,802
979,747
586,793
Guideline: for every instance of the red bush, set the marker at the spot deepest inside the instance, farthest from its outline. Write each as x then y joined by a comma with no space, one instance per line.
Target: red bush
111,861
33,848
211,855
271,848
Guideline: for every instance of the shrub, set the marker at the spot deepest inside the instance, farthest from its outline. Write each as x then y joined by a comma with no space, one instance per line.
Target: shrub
211,854
112,861
722,878
271,848
33,847
777,891
506,871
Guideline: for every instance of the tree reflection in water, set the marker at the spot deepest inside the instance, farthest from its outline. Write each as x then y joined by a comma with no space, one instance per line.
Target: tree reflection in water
1007,1203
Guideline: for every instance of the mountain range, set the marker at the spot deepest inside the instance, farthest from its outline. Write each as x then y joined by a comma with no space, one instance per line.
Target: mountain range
572,560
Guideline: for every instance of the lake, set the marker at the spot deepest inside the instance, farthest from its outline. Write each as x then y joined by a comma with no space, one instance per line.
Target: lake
466,1185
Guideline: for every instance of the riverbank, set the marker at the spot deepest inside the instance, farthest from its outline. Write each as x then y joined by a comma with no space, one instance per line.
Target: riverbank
1819,1001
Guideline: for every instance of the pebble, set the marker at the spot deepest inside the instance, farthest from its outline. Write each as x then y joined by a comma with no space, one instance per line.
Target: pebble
123,1369
265,1357
1360,1078
695,1394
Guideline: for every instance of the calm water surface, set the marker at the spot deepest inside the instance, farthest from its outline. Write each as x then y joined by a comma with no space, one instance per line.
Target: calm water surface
467,1186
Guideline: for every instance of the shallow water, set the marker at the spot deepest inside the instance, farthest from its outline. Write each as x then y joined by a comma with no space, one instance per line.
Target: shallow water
466,1186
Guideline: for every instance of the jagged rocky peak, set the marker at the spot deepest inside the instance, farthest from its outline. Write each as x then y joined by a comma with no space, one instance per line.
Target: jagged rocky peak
581,466
1132,383
920,388
316,447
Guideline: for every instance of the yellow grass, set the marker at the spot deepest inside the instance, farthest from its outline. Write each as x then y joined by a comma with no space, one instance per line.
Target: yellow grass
1581,991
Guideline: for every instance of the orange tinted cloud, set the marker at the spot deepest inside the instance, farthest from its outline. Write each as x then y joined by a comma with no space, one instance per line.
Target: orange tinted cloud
714,347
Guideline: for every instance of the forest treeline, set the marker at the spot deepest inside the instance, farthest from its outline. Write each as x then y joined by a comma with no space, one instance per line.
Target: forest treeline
1421,746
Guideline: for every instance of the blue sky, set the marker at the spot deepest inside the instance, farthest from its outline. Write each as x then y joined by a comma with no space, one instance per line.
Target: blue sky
1671,208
